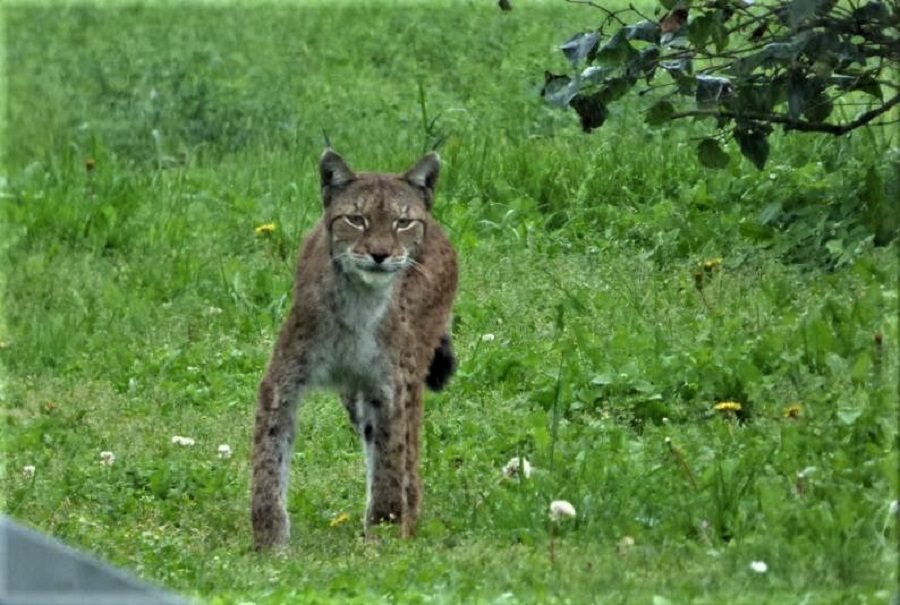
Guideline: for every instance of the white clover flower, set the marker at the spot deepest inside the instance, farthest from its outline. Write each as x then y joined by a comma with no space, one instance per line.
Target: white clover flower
759,566
185,441
512,467
561,509
488,338
224,451
107,458
28,471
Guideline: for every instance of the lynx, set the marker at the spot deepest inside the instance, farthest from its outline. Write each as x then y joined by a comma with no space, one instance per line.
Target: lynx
373,291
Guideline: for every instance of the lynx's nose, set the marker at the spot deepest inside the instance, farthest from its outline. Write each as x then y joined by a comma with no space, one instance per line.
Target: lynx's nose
378,257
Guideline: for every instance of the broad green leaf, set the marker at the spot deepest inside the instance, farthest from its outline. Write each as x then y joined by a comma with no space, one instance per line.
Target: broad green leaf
700,30
819,107
754,144
616,50
711,154
799,93
558,90
580,47
614,89
864,82
681,71
644,64
770,213
595,74
874,12
847,415
757,98
711,90
660,112
590,109
648,31
799,11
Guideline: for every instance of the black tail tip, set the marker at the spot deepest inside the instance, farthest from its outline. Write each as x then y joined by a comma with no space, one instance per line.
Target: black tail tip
443,365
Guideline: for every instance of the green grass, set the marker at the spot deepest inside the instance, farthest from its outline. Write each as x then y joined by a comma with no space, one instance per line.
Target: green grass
139,304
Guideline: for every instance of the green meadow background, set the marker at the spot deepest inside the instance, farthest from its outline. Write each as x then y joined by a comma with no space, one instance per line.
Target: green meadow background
612,293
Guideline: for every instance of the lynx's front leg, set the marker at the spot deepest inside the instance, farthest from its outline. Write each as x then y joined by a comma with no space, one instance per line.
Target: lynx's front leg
273,442
383,431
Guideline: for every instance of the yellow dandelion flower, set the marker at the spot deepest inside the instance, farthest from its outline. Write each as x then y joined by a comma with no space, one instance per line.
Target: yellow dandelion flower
727,406
340,520
265,229
793,411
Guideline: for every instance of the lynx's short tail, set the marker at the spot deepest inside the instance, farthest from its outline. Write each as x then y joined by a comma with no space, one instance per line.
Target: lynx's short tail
443,365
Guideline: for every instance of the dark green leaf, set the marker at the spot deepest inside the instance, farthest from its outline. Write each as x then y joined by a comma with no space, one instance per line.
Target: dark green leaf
711,154
874,12
616,50
590,109
819,107
595,74
614,89
558,90
711,90
681,71
752,139
799,11
643,64
864,82
648,31
754,98
699,30
580,47
660,112
799,93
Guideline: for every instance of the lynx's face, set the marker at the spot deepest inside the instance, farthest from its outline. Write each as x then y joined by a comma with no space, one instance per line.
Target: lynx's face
376,222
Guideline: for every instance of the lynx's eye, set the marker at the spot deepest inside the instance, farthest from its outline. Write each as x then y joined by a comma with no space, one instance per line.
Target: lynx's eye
403,223
356,220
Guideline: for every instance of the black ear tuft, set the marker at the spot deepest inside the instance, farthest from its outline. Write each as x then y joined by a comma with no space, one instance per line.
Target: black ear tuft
443,365
334,172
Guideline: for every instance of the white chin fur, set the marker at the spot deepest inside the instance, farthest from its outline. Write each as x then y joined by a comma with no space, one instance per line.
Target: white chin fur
380,279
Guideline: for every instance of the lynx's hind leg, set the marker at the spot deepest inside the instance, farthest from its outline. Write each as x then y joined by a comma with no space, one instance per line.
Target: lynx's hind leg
273,443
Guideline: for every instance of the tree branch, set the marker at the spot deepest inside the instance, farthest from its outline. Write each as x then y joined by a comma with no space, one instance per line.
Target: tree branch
792,123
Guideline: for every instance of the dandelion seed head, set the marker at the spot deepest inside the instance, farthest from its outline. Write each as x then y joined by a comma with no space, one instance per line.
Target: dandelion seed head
107,458
185,441
561,509
224,451
28,471
759,566
488,338
512,468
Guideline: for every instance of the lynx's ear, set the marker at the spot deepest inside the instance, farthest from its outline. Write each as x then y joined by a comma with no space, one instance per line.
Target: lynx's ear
424,175
334,173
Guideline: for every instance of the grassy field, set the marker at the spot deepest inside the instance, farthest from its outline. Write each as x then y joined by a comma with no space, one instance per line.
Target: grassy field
612,293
